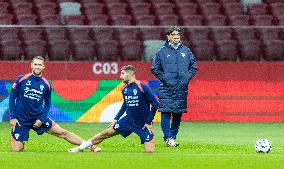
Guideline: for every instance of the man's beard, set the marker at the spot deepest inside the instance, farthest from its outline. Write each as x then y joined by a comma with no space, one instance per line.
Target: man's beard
126,81
37,74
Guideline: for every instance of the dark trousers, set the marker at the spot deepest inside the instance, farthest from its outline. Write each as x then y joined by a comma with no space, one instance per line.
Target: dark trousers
169,129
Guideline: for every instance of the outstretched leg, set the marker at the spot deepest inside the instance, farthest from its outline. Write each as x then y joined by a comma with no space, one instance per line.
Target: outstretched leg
67,135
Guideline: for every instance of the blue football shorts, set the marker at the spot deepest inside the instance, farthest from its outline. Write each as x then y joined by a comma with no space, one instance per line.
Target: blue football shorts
125,127
21,133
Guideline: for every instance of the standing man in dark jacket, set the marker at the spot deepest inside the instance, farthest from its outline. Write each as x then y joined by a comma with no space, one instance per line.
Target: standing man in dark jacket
174,65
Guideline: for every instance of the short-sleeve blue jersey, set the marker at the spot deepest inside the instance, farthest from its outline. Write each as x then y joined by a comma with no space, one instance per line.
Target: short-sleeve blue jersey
138,99
30,99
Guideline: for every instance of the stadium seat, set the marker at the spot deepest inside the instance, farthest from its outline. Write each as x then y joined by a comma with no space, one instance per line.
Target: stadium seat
203,50
98,19
274,50
131,50
239,20
244,33
216,20
83,50
170,19
221,34
226,50
117,8
28,34
34,48
273,1
280,20
250,50
140,8
93,8
210,9
164,8
187,8
7,34
277,8
36,2
108,50
121,20
6,19
224,2
262,20
74,20
127,33
4,8
79,34
47,8
192,19
145,20
54,34
59,50
151,33
11,50
200,2
269,33
23,8
49,20
231,9
257,9
102,33
198,34
26,19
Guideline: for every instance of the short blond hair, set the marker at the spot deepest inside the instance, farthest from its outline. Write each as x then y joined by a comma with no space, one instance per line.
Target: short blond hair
38,57
130,68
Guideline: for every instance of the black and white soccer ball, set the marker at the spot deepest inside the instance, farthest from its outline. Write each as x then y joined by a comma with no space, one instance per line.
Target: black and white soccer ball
263,146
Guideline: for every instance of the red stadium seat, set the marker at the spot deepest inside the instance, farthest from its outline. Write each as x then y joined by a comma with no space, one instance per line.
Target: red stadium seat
210,9
216,20
187,8
198,34
32,34
24,8
50,20
224,2
99,19
26,19
47,8
203,50
140,8
240,20
164,8
93,8
277,8
117,8
34,48
131,50
257,9
262,20
108,50
280,20
79,34
269,33
54,34
11,50
231,9
244,34
127,33
145,20
168,19
121,19
6,19
227,50
274,50
151,33
4,7
83,50
200,2
8,34
59,50
192,19
102,33
74,20
250,50
221,34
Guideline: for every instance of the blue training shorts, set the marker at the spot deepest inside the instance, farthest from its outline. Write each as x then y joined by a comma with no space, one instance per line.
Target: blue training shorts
21,133
125,127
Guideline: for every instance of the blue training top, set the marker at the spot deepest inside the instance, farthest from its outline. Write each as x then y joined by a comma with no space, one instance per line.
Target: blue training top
30,99
137,99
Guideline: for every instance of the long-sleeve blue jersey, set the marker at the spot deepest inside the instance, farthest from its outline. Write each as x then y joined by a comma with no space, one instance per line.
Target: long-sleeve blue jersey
30,99
137,100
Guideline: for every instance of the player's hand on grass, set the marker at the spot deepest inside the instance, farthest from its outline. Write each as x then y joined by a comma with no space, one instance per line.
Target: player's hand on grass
13,123
112,124
149,127
37,124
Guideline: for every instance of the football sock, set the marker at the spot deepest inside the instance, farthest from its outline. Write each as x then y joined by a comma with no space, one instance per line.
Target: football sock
85,144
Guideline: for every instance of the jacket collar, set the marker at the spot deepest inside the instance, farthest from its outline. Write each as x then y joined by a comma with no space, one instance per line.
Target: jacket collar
170,45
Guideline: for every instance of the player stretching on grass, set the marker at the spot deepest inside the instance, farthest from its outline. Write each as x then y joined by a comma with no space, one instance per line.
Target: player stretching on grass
29,106
138,119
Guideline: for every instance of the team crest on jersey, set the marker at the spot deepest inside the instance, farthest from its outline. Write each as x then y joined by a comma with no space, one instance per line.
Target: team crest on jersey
14,85
41,87
28,83
17,135
182,54
134,91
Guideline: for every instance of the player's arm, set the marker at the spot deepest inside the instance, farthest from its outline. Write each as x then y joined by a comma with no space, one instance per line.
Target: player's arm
192,69
121,111
47,104
156,68
13,96
154,102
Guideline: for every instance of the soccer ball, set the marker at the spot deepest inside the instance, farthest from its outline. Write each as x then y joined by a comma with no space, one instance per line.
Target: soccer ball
263,146
171,142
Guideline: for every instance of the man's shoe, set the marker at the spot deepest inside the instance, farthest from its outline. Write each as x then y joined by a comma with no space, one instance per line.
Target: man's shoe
170,142
75,150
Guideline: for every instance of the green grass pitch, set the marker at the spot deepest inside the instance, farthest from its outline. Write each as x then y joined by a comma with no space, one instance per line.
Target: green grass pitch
202,145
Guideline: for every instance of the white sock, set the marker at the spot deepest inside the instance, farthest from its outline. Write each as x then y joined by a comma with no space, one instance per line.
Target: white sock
85,144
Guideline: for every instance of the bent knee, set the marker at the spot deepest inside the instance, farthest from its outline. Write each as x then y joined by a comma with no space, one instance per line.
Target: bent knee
17,148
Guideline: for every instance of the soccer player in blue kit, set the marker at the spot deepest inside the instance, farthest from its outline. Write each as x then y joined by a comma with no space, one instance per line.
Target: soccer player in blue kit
29,103
138,114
